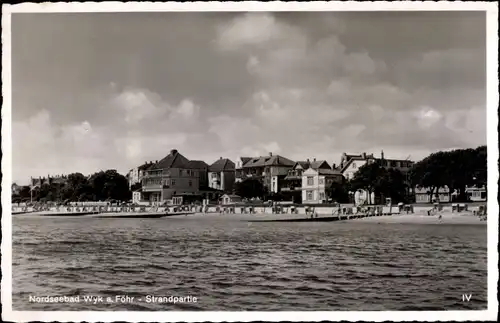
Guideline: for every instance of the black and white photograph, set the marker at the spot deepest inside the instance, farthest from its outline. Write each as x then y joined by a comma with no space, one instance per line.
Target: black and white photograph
250,161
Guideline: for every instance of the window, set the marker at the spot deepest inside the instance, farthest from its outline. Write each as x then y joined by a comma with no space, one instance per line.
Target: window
180,172
173,182
321,195
309,195
354,165
214,175
310,180
190,183
321,181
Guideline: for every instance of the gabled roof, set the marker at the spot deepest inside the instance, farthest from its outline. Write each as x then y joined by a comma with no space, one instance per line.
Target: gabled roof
320,164
354,158
221,165
197,164
315,164
302,164
145,166
275,160
244,160
172,160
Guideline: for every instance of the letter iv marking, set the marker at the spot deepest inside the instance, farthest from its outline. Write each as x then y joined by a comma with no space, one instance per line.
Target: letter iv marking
466,298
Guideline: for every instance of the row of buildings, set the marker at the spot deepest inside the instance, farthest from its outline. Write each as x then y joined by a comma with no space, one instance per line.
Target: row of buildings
176,179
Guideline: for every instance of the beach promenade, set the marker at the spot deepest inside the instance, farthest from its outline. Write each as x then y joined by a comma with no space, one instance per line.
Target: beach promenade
450,214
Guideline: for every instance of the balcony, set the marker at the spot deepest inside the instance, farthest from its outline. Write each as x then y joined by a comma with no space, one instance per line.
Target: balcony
152,187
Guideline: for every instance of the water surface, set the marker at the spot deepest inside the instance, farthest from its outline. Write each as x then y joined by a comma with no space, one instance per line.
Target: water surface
230,264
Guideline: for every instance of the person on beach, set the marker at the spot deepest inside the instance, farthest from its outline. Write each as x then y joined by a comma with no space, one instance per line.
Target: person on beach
440,216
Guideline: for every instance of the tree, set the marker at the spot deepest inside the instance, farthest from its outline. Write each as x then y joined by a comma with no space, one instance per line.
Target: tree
109,185
24,192
383,182
339,192
369,177
249,188
393,184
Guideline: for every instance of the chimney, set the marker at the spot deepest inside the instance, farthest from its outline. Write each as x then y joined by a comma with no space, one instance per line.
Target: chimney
363,155
173,151
308,160
156,162
314,159
271,154
382,154
334,166
220,158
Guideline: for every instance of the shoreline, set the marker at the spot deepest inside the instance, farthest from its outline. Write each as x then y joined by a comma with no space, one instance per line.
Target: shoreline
419,217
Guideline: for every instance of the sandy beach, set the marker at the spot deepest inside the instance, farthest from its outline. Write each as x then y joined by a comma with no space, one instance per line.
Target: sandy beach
447,218
416,218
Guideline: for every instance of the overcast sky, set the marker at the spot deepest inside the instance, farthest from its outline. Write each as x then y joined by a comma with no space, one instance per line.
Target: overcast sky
96,91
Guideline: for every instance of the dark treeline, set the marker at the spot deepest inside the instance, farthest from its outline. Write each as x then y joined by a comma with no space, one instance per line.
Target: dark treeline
455,169
102,186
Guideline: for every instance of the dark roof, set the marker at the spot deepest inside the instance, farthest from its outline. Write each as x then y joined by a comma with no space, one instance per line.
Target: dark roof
197,164
320,164
324,171
351,158
145,166
174,159
275,160
244,160
315,164
303,164
221,165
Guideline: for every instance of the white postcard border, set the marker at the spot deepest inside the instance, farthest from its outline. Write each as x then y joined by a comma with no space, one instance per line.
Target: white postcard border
129,316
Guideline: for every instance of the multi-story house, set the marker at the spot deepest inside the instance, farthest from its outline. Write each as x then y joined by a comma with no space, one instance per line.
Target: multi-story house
136,174
271,170
349,164
239,168
171,176
315,183
221,175
293,180
202,168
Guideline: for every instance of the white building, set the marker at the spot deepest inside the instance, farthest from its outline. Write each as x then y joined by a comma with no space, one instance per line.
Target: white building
350,164
476,194
136,174
315,183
